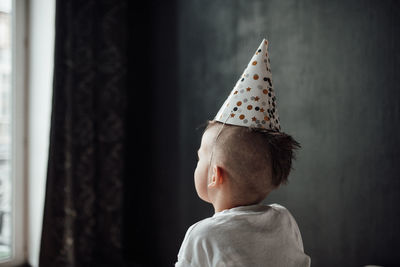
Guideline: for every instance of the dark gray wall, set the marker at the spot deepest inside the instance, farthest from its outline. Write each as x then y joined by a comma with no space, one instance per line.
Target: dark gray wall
335,66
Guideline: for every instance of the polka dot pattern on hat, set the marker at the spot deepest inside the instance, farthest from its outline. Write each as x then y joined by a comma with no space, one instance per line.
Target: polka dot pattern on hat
252,102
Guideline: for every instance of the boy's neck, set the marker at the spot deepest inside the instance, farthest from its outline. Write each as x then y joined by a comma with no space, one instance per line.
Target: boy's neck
218,208
219,203
224,204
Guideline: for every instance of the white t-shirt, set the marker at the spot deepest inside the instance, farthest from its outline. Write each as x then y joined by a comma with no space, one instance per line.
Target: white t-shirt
250,236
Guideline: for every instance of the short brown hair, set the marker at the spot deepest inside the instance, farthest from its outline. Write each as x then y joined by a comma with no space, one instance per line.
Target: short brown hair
271,151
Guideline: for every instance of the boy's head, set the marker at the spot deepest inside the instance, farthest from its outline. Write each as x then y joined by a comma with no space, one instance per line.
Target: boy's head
247,163
243,154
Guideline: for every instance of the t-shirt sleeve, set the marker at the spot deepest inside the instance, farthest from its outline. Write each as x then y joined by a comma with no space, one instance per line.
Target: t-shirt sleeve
198,248
183,263
291,225
190,253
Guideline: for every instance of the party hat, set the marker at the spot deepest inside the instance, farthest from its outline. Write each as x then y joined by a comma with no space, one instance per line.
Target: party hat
252,102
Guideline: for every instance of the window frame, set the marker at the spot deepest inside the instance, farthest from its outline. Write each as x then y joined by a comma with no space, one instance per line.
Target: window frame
18,134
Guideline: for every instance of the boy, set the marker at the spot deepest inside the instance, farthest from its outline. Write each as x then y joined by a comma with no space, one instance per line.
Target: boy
243,156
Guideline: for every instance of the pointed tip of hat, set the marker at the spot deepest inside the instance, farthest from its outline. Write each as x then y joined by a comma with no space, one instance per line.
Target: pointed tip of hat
252,102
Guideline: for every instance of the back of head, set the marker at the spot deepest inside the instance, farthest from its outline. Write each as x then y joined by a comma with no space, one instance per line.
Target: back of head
256,161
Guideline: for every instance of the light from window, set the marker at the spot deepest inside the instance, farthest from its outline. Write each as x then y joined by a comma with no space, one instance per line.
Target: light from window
5,130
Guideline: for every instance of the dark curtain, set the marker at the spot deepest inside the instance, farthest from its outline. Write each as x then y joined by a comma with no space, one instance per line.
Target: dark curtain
83,207
113,141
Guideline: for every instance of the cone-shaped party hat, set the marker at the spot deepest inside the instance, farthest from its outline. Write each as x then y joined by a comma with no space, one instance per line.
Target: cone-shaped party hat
252,102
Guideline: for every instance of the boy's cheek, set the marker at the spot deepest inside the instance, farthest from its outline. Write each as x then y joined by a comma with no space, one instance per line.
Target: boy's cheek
200,180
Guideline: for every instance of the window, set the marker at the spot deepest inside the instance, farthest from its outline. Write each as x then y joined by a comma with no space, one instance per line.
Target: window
5,134
12,86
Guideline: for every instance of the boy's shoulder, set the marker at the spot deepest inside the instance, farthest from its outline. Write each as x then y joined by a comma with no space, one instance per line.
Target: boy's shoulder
248,229
201,228
230,220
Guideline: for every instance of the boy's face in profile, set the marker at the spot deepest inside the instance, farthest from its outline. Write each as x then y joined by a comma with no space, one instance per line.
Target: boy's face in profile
203,163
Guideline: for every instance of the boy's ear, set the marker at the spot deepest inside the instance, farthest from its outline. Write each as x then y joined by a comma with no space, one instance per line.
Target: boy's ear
216,177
